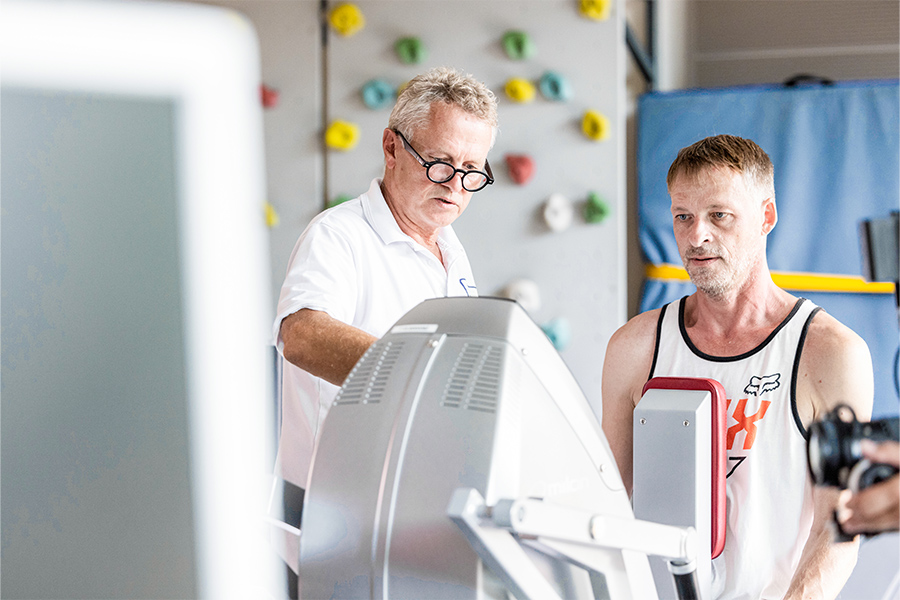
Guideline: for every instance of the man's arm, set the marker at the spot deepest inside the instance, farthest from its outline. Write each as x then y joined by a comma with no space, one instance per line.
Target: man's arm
835,368
323,346
824,565
629,355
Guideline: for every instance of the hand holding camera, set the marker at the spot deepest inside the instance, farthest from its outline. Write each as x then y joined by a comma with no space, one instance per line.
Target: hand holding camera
863,458
877,507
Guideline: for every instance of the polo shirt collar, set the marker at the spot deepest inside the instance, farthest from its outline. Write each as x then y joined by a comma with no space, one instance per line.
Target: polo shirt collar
379,215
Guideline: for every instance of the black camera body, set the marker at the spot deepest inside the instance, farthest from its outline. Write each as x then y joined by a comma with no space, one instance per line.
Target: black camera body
833,450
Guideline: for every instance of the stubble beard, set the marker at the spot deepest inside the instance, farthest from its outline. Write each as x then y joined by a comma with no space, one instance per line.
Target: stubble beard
723,277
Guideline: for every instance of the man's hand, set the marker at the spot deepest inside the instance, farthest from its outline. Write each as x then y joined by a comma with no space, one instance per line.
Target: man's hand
876,508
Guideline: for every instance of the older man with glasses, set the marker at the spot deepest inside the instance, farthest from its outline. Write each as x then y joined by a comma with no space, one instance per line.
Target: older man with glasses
358,267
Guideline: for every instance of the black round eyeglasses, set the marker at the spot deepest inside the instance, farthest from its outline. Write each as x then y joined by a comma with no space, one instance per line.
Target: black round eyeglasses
439,171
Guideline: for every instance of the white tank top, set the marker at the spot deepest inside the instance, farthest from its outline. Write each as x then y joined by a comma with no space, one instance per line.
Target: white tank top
769,509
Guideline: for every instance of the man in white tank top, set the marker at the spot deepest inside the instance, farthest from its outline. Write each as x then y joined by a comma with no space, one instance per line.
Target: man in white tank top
782,361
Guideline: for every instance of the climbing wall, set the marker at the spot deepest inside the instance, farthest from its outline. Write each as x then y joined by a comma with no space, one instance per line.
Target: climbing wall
557,67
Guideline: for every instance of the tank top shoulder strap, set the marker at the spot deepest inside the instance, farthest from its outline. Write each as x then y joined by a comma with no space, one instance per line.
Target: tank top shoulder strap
802,317
673,309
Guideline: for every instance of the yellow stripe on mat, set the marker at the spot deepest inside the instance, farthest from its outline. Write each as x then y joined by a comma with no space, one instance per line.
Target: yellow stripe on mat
800,282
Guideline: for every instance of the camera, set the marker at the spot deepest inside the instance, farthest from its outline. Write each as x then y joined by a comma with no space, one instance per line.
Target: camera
833,450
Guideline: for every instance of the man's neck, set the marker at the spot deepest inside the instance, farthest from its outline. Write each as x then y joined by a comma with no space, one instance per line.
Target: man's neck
735,323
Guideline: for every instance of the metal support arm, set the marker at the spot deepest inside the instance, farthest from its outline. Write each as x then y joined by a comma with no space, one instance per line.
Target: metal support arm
493,533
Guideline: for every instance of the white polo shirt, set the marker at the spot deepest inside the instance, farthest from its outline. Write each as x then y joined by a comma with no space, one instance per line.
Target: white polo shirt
354,263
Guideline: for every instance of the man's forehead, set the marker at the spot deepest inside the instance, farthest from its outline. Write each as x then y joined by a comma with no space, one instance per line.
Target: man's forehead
713,189
713,181
434,138
708,174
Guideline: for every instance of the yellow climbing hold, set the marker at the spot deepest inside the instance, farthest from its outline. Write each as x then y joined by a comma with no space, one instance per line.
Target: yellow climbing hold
599,10
347,19
595,126
342,135
271,215
520,90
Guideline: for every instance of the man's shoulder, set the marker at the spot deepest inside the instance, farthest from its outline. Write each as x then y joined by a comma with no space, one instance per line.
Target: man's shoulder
827,334
836,367
634,341
830,345
638,327
349,211
346,219
629,355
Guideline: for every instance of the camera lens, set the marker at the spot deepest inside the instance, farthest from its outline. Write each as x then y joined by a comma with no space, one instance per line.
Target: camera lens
824,450
814,453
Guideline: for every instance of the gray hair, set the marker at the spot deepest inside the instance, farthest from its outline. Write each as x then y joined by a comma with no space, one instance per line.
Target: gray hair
442,84
738,154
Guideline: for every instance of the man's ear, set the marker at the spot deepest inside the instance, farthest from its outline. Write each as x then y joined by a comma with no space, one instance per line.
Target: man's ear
390,145
770,215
